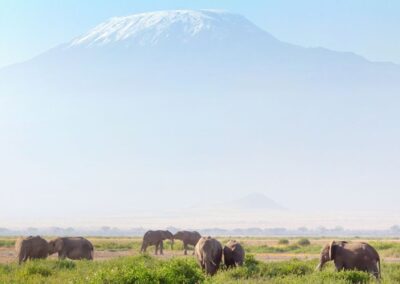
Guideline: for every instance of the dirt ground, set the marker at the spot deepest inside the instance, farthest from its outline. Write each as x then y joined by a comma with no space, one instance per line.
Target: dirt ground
7,255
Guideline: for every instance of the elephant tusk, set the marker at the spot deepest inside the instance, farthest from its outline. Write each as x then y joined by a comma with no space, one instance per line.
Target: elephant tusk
318,268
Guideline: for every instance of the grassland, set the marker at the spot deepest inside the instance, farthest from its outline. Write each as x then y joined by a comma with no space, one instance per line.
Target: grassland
125,265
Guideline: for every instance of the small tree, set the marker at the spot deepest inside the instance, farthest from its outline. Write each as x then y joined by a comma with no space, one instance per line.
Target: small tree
303,242
283,242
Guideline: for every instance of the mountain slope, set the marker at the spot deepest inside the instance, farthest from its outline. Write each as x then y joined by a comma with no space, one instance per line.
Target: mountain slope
253,201
181,26
163,110
190,50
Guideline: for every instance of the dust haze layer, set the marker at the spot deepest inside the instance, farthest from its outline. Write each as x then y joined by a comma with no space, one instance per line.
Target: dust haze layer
165,110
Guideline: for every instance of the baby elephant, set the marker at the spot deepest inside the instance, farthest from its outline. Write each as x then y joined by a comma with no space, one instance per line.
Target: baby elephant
209,254
72,248
351,256
31,248
233,254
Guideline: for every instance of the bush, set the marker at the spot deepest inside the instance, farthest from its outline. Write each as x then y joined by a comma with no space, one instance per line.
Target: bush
145,269
292,267
180,271
358,277
303,242
283,242
35,268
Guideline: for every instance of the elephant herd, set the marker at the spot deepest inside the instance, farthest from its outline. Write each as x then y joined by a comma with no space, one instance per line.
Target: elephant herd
208,251
68,247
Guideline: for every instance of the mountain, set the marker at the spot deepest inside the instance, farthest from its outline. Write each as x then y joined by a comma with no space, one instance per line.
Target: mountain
257,201
166,109
169,27
190,49
254,201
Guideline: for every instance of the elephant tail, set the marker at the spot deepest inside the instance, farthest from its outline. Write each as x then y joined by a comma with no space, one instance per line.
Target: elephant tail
379,268
92,254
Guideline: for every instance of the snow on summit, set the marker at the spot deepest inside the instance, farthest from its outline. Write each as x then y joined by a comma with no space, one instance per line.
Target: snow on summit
155,27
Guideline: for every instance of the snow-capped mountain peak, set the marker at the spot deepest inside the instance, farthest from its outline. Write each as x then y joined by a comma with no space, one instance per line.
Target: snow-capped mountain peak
155,27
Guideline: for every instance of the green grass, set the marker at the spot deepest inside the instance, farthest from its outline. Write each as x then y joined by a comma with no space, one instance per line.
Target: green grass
123,244
147,269
7,242
291,248
386,248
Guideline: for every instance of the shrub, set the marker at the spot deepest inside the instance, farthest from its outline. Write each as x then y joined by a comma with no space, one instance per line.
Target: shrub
283,242
35,268
180,271
145,269
292,267
303,242
358,277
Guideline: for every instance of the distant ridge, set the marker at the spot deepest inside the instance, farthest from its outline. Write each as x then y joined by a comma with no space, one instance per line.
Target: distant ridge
255,201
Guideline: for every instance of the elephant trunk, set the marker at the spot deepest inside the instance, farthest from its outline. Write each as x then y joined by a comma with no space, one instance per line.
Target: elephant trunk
172,244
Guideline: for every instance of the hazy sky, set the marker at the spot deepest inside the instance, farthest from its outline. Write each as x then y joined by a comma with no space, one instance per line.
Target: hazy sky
76,155
367,27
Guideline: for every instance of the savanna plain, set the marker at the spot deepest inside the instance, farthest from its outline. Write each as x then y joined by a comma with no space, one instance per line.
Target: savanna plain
268,260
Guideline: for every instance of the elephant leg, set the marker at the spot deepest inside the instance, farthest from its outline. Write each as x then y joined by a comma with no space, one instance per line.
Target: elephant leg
62,255
156,249
161,248
374,270
144,247
339,266
185,247
21,258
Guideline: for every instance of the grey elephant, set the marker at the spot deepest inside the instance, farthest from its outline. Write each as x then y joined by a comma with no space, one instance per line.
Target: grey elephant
188,238
208,252
72,247
156,238
233,254
351,256
31,248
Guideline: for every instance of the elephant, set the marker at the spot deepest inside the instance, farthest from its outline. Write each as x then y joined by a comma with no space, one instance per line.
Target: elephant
233,254
31,248
156,238
72,247
351,255
208,252
188,238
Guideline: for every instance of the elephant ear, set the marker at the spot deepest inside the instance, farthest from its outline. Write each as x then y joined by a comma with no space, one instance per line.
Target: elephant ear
332,250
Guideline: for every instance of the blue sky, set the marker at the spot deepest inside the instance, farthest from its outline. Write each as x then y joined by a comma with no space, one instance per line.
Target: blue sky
366,27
